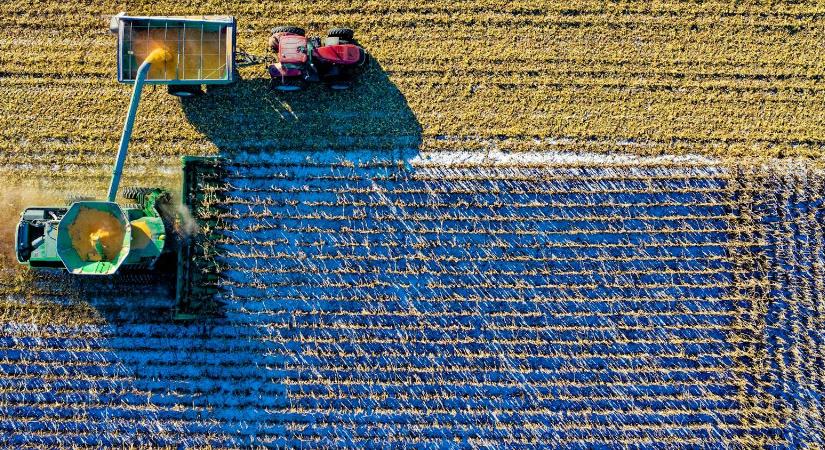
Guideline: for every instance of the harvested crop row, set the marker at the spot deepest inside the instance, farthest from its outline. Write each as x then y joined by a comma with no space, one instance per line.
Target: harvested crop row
431,279
717,79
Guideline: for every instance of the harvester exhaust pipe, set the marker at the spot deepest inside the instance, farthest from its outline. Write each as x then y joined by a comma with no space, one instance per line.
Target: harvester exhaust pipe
157,55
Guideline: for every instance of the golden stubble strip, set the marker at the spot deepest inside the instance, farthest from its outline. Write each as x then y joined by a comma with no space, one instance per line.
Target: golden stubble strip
673,77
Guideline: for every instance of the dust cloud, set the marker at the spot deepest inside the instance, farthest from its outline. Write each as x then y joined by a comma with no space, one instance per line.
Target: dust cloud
185,225
12,202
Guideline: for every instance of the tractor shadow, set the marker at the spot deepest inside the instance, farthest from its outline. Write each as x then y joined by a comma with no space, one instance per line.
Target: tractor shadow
249,116
249,121
271,132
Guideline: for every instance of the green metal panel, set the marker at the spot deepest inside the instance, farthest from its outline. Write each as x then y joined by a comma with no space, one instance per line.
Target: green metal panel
47,251
147,241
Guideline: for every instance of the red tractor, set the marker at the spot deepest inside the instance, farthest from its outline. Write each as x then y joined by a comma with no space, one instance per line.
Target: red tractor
300,60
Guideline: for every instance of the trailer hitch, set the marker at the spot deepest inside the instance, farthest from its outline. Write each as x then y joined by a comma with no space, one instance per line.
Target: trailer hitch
244,59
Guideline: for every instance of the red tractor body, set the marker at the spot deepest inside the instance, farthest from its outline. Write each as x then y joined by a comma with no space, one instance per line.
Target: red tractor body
292,49
339,54
335,62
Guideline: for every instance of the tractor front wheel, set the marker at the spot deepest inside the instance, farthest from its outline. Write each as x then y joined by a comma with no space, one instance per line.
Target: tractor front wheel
184,90
344,34
289,29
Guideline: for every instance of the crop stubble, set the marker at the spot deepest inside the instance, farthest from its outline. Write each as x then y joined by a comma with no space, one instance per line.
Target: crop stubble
674,302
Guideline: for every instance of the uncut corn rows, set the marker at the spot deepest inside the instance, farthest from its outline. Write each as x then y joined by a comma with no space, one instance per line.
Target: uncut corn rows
270,207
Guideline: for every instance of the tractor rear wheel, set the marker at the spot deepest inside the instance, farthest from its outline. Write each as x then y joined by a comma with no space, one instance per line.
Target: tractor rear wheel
345,34
289,29
184,90
135,193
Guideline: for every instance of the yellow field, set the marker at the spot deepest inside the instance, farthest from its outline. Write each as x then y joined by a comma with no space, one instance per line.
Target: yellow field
647,78
640,77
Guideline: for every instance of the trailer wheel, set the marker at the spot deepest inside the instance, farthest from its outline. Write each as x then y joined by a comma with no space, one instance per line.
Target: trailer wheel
184,90
340,85
341,33
288,84
289,29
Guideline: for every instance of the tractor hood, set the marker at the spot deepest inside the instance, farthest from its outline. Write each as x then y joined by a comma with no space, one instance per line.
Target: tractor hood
340,54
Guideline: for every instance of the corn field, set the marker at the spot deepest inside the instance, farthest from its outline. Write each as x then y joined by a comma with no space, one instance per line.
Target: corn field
531,224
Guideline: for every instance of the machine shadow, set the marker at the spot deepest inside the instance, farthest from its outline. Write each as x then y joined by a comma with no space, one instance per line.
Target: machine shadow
282,156
257,128
249,116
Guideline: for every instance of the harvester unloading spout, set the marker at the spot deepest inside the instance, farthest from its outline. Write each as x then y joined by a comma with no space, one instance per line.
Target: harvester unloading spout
158,55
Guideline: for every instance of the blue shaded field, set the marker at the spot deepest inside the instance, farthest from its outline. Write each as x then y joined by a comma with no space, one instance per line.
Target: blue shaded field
373,306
